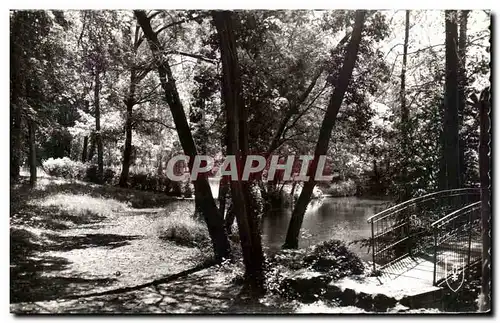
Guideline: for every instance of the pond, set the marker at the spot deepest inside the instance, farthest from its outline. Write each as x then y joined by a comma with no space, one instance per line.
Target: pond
342,218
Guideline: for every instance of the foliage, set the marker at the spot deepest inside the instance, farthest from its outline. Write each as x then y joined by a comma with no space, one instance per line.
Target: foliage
65,168
331,257
139,179
340,188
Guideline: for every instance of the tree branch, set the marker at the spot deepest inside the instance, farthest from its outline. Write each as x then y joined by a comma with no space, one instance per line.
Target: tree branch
157,122
202,58
175,23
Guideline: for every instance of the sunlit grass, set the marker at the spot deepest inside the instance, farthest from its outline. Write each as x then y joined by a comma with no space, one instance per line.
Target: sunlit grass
82,205
182,228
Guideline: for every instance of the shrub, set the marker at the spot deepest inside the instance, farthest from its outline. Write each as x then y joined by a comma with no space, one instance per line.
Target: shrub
333,257
65,168
187,189
139,179
184,230
109,176
341,188
330,258
91,174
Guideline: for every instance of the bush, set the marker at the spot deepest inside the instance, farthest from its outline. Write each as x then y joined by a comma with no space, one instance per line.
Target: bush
184,230
334,258
331,259
109,176
139,179
340,188
65,168
187,189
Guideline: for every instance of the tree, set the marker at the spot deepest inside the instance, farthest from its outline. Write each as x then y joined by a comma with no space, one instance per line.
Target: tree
462,84
96,41
138,72
326,130
17,88
203,192
483,104
404,114
236,116
35,53
450,124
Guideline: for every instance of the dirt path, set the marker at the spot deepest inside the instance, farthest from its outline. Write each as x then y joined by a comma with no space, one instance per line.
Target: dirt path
209,291
56,254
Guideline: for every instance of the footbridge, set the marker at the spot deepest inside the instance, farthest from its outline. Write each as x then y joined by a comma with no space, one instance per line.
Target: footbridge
430,240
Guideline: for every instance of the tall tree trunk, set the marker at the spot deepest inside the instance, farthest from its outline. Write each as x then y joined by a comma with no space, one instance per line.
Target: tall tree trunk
229,219
224,184
32,152
85,148
223,190
236,116
451,102
92,147
17,92
85,138
405,141
292,237
127,150
97,106
484,171
213,218
462,83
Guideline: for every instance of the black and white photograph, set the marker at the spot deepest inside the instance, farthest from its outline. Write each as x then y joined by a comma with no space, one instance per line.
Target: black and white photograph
250,161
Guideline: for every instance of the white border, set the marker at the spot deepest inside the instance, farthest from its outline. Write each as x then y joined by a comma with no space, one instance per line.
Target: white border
189,4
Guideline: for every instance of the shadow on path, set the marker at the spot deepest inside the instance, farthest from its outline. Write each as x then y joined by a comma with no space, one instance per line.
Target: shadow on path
35,274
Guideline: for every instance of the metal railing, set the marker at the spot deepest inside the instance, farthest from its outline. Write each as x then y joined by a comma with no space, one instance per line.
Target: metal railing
457,242
405,230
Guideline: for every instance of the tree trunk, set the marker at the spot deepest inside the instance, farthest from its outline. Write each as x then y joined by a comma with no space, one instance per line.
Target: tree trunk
236,116
484,170
462,83
32,152
213,219
451,102
292,237
85,138
223,183
98,137
92,147
127,150
404,116
17,92
223,190
229,220
292,193
85,147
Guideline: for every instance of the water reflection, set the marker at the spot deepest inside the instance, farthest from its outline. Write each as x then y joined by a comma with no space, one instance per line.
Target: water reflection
339,218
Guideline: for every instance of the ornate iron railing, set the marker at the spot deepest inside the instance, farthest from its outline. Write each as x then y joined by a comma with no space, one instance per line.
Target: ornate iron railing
457,242
405,230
